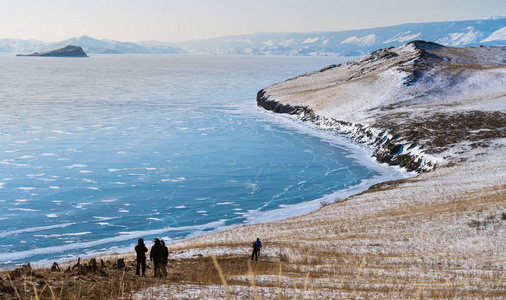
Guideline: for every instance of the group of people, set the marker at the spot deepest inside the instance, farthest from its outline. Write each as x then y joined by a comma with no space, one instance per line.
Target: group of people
159,255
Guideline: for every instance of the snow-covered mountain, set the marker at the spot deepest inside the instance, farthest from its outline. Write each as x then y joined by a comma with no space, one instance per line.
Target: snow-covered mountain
89,45
417,105
487,32
22,46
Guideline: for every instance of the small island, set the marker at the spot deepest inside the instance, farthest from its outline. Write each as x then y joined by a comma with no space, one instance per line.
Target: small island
67,51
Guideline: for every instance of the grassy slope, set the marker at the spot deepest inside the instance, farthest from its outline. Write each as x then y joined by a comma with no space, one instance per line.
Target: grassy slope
443,228
438,235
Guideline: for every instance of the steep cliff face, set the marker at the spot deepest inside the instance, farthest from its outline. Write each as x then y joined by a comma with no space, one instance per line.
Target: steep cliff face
387,148
416,105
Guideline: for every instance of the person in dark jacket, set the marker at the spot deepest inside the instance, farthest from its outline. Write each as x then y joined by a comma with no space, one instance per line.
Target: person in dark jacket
141,250
259,243
165,259
255,251
156,256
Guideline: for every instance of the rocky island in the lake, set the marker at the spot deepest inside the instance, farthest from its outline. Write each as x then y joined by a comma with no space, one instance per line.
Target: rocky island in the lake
67,51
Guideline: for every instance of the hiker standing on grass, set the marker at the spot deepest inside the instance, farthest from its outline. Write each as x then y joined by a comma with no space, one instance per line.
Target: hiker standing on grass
141,250
165,258
259,245
255,251
156,256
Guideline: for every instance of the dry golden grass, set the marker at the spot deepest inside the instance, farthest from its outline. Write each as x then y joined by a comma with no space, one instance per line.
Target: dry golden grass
79,281
436,236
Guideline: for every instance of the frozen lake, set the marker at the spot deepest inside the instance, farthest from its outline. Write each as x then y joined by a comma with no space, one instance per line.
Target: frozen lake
97,152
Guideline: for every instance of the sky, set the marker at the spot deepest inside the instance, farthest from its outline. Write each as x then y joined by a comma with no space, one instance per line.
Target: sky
182,20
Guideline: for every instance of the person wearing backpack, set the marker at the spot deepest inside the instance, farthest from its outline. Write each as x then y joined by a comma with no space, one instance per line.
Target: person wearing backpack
255,251
141,250
259,243
156,255
165,259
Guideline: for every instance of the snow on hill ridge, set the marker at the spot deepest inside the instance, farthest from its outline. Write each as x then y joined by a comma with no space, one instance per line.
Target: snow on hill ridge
487,32
367,40
498,35
417,104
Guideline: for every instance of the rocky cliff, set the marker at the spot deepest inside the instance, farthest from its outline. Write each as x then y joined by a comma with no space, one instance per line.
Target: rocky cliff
416,105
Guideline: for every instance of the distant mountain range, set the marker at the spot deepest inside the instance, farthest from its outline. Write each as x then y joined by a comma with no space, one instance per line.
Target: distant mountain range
487,32
89,45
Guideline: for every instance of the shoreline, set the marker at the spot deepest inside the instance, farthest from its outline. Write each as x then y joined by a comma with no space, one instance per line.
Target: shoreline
385,147
359,152
425,226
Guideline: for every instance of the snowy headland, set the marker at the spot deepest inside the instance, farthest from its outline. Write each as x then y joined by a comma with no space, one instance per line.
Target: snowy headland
440,111
418,105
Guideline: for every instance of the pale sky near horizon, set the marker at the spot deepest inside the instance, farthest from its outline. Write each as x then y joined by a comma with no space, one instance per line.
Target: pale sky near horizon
180,20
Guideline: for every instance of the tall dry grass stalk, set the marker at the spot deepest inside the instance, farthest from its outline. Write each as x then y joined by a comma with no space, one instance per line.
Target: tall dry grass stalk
359,270
13,286
252,281
419,290
220,273
36,293
305,285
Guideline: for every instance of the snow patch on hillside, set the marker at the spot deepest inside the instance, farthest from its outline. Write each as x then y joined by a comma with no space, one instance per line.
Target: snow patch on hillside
403,37
367,40
499,35
468,36
248,41
311,40
286,43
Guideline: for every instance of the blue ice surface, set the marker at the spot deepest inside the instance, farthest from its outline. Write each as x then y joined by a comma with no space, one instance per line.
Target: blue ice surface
99,152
